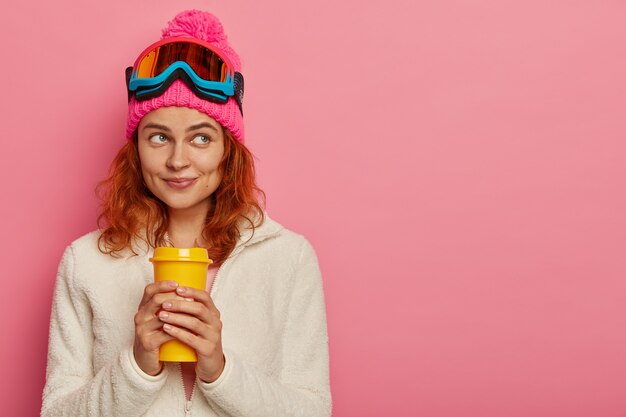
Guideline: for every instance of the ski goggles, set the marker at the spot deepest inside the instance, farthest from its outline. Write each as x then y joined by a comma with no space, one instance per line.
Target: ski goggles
207,73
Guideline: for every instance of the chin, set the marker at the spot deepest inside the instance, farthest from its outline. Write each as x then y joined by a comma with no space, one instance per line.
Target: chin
180,204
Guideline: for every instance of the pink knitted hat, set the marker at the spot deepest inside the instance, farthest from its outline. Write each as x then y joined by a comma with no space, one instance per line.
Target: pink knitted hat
204,26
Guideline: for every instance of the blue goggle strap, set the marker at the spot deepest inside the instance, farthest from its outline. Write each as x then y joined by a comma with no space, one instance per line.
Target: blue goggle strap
207,87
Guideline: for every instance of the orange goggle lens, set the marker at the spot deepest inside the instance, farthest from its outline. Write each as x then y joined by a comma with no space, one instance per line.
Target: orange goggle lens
203,61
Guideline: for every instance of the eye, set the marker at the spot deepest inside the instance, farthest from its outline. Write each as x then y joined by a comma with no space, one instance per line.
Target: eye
158,138
201,140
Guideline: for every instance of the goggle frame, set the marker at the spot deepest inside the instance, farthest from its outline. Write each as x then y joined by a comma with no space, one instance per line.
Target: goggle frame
214,91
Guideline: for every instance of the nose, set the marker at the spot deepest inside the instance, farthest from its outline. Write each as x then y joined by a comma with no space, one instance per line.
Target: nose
178,158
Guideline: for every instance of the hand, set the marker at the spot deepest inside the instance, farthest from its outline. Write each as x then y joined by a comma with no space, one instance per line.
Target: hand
148,328
197,323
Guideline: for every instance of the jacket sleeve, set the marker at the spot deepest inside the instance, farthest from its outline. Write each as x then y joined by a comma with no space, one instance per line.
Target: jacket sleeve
72,387
302,387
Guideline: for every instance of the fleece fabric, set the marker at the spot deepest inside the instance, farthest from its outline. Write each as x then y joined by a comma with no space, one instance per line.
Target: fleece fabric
270,296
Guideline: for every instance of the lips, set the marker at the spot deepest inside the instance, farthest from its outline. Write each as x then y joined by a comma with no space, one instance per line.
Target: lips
180,183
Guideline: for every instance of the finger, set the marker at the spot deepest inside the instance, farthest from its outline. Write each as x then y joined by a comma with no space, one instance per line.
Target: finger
161,337
199,295
157,301
197,342
191,323
155,288
152,324
152,342
149,310
192,308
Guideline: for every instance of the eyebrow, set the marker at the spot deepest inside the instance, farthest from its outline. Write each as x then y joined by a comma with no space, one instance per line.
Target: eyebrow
200,126
189,129
156,126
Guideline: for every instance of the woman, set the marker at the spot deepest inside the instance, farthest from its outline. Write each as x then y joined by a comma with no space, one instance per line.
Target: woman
185,179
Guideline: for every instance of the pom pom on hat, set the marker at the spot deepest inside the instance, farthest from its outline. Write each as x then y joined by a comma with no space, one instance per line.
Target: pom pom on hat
204,26
197,24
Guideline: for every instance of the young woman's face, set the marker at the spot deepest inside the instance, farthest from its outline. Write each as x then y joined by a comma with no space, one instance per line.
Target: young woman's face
180,150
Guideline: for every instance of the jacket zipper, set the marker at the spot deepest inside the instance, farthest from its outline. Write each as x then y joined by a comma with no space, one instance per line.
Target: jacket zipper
215,278
180,366
193,390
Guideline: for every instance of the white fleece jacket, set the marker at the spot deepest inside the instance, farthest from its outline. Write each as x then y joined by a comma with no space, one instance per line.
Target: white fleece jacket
269,293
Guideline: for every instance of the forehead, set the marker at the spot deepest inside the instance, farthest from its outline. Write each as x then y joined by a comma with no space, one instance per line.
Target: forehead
178,118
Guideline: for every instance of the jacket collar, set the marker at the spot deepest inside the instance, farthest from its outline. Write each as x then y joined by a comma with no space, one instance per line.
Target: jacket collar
267,229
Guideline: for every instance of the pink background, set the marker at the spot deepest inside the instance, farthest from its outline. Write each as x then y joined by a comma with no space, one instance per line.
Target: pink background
460,167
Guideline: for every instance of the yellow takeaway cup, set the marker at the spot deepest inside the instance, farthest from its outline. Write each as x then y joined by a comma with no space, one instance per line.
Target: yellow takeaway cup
188,267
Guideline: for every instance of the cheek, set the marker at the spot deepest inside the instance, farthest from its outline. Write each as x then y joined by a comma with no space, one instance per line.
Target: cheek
212,173
211,163
212,167
149,163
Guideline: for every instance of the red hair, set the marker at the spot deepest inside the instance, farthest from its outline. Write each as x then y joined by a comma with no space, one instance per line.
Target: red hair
130,211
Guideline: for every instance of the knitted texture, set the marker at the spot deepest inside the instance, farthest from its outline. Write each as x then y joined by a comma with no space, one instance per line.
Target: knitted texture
204,26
